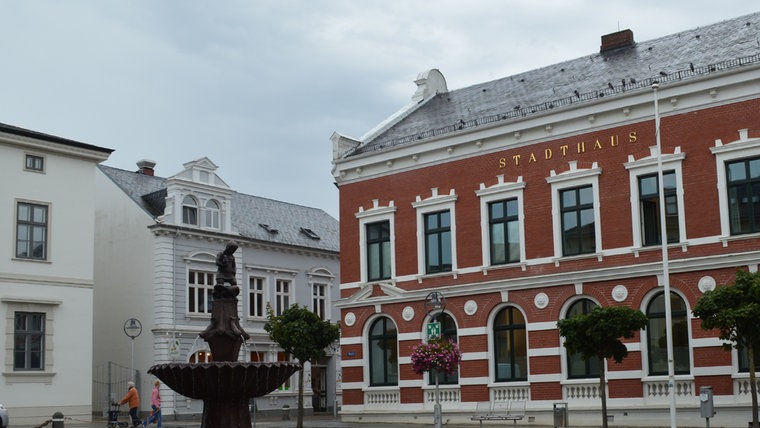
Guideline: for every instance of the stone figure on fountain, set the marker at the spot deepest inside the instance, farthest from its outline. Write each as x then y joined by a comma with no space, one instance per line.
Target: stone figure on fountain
226,272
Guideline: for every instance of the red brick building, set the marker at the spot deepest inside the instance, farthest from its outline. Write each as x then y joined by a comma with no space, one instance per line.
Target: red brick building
530,198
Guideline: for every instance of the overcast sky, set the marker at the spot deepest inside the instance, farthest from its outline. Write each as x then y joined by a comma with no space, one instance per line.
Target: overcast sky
259,86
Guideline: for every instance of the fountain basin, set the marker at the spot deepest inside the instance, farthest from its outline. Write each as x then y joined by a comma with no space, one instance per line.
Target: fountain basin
224,380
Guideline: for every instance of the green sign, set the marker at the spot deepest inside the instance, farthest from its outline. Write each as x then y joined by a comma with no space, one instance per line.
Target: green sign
433,330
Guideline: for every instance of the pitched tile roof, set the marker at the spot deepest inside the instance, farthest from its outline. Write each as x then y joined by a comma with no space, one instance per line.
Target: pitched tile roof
678,57
249,213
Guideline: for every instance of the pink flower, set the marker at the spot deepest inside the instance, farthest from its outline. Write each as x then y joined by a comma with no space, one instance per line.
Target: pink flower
437,354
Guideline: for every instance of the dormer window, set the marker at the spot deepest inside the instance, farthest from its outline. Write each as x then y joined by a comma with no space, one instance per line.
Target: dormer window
190,211
269,229
310,233
212,214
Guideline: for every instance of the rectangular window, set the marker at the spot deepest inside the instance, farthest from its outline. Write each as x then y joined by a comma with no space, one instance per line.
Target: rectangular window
438,242
29,341
743,178
649,197
200,285
504,231
256,297
31,231
34,163
379,251
282,296
578,223
319,300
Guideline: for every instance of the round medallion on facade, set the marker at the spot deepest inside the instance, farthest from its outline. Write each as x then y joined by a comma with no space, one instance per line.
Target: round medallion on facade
619,293
349,319
541,300
470,307
408,313
706,283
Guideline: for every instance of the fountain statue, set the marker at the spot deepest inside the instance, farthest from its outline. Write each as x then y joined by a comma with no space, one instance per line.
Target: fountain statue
225,384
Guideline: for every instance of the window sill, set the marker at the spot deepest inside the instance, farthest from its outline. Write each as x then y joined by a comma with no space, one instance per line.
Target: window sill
730,238
453,274
637,250
557,260
29,377
506,266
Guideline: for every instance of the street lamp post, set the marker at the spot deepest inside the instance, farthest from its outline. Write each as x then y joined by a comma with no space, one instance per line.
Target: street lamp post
665,264
435,304
133,328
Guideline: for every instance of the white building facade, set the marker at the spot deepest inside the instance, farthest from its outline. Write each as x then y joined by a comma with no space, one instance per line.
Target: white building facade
47,211
158,241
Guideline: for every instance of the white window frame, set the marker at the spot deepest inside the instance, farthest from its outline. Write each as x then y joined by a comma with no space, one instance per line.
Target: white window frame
374,215
644,336
742,148
324,278
575,177
498,192
207,288
262,293
196,207
648,166
212,215
435,203
280,297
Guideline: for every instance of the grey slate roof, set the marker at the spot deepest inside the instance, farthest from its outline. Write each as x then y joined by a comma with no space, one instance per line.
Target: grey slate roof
248,212
681,56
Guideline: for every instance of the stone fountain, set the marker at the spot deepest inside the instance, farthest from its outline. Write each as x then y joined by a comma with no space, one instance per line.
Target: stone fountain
225,385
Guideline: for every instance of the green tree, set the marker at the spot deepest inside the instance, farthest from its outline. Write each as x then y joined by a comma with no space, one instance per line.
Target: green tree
735,312
597,335
302,334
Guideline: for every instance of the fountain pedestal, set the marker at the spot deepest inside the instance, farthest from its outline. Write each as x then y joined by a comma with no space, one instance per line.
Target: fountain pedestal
225,385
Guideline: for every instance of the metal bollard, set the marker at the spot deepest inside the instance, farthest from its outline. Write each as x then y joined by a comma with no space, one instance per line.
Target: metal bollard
57,420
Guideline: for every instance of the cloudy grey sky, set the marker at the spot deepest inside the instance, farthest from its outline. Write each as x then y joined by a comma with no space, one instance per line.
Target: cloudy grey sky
259,86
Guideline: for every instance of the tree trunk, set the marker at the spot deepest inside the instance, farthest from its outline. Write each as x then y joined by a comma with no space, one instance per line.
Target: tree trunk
752,381
603,391
299,424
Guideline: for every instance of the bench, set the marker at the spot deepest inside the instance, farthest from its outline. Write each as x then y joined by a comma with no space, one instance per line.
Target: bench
513,411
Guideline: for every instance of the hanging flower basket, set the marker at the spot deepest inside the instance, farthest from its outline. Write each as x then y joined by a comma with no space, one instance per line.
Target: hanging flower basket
437,354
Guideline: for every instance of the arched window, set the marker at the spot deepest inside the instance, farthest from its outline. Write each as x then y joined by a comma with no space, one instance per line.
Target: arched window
212,214
577,367
448,331
383,354
189,210
510,346
657,339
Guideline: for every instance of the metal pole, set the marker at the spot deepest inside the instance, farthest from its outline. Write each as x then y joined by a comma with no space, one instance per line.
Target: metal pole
665,267
132,372
437,416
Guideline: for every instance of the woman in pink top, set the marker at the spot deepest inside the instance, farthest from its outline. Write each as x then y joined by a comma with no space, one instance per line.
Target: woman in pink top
155,403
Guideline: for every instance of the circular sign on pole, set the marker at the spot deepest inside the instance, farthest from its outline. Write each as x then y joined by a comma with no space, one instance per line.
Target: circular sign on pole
132,328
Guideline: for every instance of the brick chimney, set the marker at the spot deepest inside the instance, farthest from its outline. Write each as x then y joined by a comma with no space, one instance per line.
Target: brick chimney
617,40
146,167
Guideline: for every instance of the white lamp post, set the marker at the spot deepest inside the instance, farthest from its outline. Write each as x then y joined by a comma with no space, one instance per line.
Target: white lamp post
435,304
665,268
